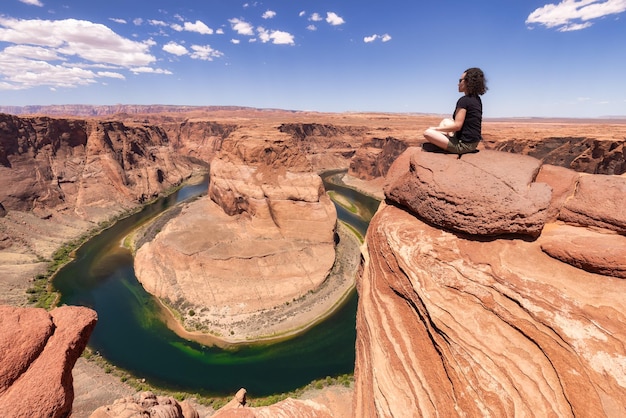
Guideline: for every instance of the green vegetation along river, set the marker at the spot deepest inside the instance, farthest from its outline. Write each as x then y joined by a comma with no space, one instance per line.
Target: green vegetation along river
130,335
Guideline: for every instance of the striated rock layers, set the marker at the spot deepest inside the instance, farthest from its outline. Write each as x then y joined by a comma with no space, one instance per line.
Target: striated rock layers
38,350
496,303
91,169
262,239
374,159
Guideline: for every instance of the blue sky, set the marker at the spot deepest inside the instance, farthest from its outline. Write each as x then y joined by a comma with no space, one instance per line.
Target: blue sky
546,59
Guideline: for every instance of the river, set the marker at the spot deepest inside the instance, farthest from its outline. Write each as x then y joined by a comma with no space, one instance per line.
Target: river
130,335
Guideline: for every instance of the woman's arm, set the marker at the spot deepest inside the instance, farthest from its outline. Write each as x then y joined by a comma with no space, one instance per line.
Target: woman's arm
459,120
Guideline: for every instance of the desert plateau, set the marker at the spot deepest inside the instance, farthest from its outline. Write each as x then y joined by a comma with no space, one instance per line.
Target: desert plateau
488,285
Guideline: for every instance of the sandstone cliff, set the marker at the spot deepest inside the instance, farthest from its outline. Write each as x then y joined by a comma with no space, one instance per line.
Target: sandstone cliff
60,178
467,307
38,350
90,168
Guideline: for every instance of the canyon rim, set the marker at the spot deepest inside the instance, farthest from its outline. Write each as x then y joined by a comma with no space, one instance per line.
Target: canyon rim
549,304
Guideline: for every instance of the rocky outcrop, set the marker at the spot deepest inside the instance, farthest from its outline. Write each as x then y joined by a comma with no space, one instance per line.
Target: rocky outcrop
38,350
287,408
93,169
326,146
264,238
581,154
198,139
457,324
488,193
374,159
592,214
146,405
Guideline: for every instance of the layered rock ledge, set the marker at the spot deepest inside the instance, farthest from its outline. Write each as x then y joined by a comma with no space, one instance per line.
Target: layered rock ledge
453,322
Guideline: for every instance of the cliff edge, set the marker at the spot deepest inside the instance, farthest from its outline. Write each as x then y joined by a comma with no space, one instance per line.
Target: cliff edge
474,302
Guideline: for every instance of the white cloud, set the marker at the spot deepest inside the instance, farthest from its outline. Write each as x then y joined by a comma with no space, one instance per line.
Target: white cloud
17,73
311,27
111,74
315,17
33,52
384,38
205,52
122,21
302,13
198,27
175,48
138,21
220,31
150,70
157,22
241,27
269,14
235,41
569,15
276,36
334,19
91,41
58,53
32,2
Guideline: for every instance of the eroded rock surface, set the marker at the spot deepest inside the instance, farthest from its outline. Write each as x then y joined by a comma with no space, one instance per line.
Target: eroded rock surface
287,408
453,324
38,350
148,405
488,193
92,168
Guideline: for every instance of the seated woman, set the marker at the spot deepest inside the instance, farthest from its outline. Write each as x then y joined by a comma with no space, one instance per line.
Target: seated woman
466,125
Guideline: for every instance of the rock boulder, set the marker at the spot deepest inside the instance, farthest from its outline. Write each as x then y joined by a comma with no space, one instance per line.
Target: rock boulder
487,193
455,324
38,350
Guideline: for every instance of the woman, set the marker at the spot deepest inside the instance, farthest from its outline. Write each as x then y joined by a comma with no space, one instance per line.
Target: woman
468,116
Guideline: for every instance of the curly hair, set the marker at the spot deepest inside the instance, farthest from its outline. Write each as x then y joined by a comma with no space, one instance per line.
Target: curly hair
475,81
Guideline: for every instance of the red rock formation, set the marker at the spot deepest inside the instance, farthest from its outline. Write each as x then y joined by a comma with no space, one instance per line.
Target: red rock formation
148,405
198,139
92,168
288,408
582,154
452,324
326,146
37,353
263,239
374,159
488,193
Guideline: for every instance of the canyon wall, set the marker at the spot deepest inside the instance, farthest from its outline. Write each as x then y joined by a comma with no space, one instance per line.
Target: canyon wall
90,168
492,284
60,178
467,307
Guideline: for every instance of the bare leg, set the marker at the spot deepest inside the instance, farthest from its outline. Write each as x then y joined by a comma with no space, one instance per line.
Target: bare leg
436,138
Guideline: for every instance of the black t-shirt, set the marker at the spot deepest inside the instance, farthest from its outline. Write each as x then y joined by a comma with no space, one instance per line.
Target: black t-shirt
472,127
